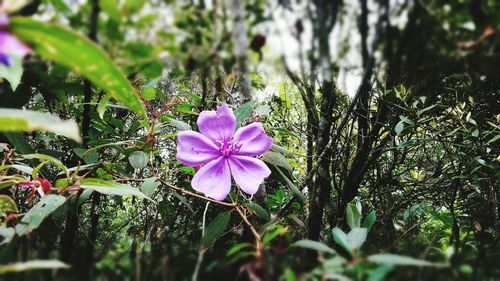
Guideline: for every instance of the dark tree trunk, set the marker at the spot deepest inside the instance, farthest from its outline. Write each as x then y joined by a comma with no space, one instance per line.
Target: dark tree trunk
322,186
323,23
71,226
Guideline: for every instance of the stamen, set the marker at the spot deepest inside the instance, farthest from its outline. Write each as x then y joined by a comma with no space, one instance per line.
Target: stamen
228,147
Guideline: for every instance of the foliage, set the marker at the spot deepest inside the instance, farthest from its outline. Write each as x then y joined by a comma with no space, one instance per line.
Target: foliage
384,162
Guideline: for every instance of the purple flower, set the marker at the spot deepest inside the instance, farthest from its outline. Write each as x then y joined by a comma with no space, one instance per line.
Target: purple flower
223,153
9,44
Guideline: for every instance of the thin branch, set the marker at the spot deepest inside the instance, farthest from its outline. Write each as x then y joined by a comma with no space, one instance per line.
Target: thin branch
202,251
182,190
258,243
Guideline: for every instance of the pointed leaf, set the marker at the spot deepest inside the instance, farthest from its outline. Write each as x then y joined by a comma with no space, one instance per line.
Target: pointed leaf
399,127
341,238
238,247
38,213
32,265
356,237
370,220
295,190
149,185
17,120
13,72
353,216
58,43
215,229
138,159
276,158
181,125
398,260
258,210
111,188
313,245
243,111
380,273
7,205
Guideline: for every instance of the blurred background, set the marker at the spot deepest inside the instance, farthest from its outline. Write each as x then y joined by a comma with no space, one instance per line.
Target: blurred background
391,103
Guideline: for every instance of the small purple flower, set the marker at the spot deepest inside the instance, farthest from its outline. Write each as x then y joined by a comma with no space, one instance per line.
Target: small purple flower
9,44
223,153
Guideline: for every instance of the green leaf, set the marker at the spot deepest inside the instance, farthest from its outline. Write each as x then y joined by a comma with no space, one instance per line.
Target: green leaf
243,111
494,139
278,230
19,141
138,159
134,6
180,125
8,233
153,69
356,237
14,72
183,200
60,6
280,149
406,120
57,43
84,196
149,185
186,108
112,9
393,259
289,275
292,186
111,188
236,248
22,168
7,205
215,229
399,127
48,158
32,265
341,238
258,210
370,220
148,94
475,132
11,6
276,158
17,120
380,273
90,158
425,109
353,216
313,245
8,181
188,170
38,213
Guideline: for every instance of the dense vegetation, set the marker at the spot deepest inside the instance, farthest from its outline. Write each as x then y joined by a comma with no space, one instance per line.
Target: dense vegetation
384,117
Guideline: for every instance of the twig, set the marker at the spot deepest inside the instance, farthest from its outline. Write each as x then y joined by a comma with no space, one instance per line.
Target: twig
182,190
258,243
202,251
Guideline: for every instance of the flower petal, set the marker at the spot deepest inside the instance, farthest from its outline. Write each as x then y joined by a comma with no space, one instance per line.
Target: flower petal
248,172
195,149
10,45
4,19
252,140
217,125
5,60
213,179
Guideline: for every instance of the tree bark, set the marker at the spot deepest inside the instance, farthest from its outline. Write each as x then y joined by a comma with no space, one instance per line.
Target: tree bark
240,50
71,226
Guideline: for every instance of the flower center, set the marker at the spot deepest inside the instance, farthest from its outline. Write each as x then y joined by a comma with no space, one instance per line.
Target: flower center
228,147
